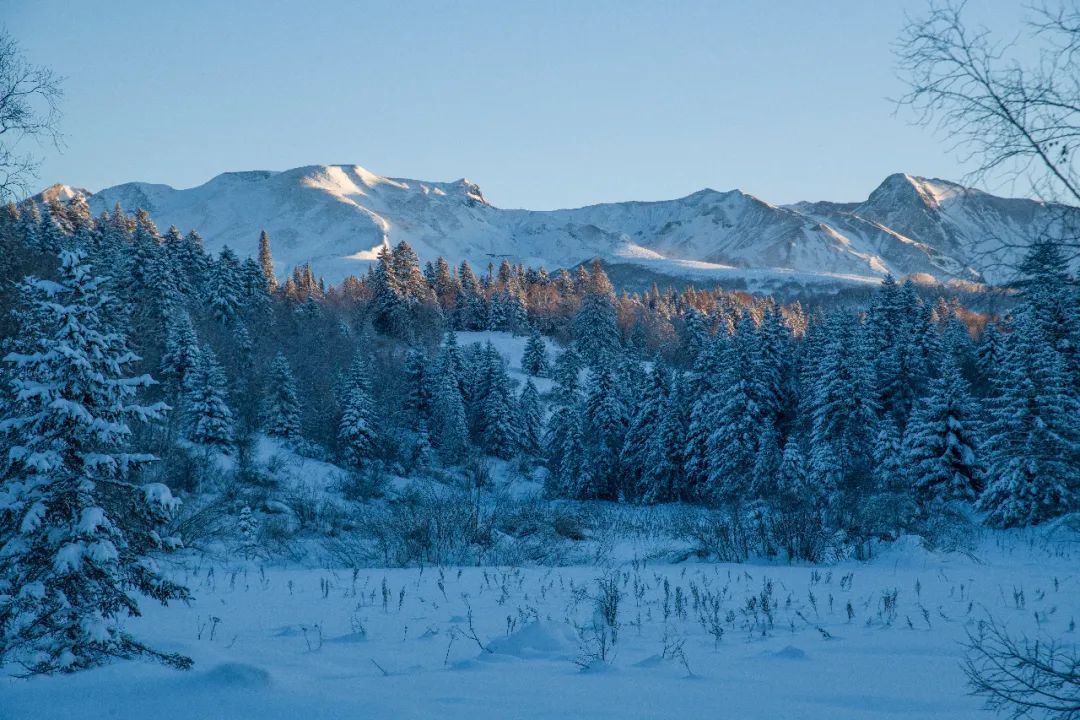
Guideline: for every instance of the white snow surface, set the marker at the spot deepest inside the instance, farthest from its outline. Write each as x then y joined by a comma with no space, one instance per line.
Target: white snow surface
338,216
282,650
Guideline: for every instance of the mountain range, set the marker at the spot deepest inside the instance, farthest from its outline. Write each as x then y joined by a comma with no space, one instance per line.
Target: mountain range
336,217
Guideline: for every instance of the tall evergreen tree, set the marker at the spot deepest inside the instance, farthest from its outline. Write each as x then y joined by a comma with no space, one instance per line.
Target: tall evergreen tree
531,416
209,419
604,422
356,430
596,329
417,388
637,455
740,421
450,431
75,532
1033,451
181,350
941,445
266,261
535,361
281,408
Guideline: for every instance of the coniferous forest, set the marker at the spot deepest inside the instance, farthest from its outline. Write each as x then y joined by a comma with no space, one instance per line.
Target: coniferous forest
643,459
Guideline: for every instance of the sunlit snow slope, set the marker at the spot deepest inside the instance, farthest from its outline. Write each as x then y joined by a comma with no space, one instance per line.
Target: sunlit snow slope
337,216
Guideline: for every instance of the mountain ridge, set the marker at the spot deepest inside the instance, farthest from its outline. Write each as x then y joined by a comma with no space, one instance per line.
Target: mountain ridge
336,217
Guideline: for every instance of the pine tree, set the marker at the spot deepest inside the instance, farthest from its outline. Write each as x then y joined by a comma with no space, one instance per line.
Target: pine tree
989,357
209,419
451,433
266,262
740,420
535,361
281,409
390,307
472,310
665,476
224,286
637,453
356,431
941,447
564,441
1033,451
604,422
798,506
181,350
843,418
531,416
704,398
417,390
596,329
74,531
495,414
891,506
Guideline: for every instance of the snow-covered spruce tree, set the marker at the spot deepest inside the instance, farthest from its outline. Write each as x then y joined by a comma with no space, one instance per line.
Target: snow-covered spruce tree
223,288
281,406
637,454
740,420
563,441
194,263
181,350
704,399
843,417
266,261
472,307
209,419
417,388
534,361
665,477
390,306
531,417
356,431
451,433
75,533
603,423
989,356
942,449
498,426
596,329
798,507
1054,304
1033,449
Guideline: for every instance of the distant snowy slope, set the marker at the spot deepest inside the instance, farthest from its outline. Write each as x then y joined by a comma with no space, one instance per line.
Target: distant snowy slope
337,216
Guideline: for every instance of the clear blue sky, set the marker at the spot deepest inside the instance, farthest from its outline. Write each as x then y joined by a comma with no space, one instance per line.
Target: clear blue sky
544,104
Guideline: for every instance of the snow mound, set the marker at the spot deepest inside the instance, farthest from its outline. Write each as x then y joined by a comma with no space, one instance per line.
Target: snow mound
790,652
238,675
538,640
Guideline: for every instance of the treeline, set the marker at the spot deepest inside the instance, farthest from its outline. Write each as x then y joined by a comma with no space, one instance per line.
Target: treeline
808,426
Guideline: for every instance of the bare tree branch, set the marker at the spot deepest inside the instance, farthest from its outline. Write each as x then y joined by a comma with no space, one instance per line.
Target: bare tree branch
29,111
1023,678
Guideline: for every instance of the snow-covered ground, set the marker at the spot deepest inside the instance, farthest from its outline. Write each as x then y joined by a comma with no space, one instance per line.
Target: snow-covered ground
798,642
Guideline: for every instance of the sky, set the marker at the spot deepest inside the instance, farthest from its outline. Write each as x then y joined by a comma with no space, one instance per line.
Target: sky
543,104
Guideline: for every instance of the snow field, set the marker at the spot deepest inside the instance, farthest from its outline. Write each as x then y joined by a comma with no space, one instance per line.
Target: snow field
857,640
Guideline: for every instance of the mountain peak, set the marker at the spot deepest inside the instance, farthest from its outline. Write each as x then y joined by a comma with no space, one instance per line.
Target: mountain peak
931,192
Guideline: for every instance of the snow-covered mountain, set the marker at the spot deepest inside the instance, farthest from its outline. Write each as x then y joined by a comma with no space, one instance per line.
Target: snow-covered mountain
337,216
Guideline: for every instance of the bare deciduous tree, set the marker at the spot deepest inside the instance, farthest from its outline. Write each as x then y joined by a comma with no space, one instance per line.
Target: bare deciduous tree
29,112
1011,108
1023,678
